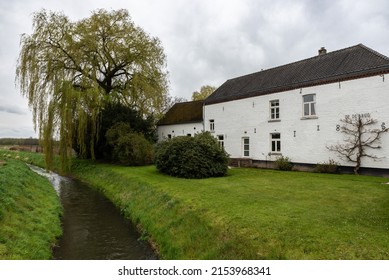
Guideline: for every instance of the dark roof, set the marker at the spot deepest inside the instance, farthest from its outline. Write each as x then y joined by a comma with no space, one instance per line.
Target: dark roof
185,112
350,63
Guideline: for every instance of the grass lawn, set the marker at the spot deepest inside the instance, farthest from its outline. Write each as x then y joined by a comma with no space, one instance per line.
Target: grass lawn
29,212
252,213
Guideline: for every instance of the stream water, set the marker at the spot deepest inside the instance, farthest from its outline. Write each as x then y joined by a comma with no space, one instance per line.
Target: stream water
93,228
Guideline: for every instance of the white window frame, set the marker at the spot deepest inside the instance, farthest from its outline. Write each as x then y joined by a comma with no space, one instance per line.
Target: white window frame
274,112
275,143
212,125
246,146
309,105
220,139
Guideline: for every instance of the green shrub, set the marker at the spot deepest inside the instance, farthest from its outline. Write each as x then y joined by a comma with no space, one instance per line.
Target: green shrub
284,163
129,148
192,157
327,167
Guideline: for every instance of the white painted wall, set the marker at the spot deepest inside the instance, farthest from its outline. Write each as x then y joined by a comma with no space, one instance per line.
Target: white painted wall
250,118
179,130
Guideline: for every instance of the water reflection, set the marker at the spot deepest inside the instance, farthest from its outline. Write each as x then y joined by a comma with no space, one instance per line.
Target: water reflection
92,227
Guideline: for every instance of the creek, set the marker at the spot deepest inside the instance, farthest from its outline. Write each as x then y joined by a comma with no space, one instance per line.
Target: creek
93,228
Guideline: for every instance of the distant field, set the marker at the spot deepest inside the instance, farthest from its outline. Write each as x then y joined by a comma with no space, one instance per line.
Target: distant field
29,144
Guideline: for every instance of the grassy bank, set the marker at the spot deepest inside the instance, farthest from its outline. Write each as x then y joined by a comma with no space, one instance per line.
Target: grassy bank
29,212
252,214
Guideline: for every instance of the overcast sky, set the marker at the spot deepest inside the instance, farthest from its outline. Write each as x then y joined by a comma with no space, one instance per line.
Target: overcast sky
206,41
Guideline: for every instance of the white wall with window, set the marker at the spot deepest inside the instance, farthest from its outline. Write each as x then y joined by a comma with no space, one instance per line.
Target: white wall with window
212,125
220,139
174,130
236,120
309,105
246,146
275,109
307,120
275,143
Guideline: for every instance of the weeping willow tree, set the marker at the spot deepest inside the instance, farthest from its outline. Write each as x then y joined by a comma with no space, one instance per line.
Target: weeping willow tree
70,71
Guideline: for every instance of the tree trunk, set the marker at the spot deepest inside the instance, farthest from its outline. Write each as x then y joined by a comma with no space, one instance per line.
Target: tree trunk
356,168
360,148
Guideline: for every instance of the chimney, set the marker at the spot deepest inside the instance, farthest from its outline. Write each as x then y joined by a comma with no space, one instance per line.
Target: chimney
322,51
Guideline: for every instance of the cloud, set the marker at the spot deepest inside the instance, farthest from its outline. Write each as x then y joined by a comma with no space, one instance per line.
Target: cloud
12,110
14,122
209,42
18,131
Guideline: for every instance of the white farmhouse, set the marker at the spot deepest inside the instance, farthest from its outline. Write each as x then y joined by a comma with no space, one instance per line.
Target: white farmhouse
183,119
295,110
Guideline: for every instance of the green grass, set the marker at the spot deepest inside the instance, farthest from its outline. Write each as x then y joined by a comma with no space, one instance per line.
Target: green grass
252,213
29,213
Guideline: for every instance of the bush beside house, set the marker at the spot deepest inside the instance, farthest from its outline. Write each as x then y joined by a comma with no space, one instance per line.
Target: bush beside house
330,166
284,163
192,157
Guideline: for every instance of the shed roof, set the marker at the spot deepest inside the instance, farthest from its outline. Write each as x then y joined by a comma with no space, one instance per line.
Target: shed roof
345,64
185,112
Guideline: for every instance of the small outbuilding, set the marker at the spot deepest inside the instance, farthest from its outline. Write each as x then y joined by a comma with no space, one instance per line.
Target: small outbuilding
183,119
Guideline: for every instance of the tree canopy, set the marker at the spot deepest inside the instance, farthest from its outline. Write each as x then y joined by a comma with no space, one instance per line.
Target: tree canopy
70,71
204,92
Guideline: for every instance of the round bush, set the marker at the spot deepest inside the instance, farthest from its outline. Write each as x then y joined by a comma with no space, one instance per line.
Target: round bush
192,157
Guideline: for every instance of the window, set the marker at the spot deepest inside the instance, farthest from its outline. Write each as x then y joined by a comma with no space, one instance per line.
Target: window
212,125
309,105
220,139
275,142
169,136
274,109
246,146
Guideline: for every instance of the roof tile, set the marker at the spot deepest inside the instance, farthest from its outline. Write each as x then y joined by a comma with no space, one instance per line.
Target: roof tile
185,112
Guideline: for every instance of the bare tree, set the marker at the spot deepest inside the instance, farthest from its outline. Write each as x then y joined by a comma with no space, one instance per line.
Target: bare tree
169,102
360,139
